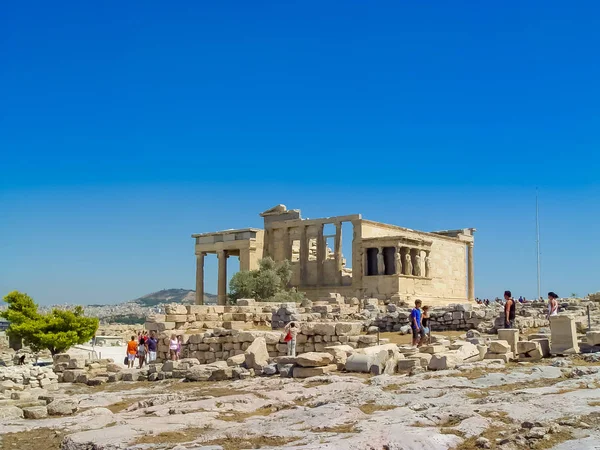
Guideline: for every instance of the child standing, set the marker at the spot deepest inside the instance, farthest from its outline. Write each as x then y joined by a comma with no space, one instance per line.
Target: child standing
415,323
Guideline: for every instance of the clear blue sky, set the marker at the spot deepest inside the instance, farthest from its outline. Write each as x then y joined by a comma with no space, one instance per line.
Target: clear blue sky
127,126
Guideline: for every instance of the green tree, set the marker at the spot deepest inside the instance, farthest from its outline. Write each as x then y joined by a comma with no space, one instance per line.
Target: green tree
56,331
267,283
242,285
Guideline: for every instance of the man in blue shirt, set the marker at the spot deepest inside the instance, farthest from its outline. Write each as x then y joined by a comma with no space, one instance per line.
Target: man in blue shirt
415,324
152,345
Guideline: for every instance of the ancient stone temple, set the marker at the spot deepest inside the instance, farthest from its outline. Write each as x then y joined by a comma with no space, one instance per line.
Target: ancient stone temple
387,261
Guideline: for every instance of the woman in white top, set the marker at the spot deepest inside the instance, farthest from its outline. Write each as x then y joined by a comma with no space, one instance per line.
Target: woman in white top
552,305
173,346
292,329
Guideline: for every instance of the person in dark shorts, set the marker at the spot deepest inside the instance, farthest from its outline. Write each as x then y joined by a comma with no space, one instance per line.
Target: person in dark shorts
415,324
509,310
425,330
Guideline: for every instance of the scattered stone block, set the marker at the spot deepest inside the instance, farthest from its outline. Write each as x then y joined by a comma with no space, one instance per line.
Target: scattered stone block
236,360
424,358
563,335
544,345
257,355
511,336
35,412
443,361
97,381
405,365
285,370
468,352
593,337
348,328
114,377
11,412
505,357
499,347
307,372
62,407
314,359
61,358
130,375
432,349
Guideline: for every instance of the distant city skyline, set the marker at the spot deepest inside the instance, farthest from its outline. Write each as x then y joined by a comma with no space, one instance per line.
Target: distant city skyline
126,128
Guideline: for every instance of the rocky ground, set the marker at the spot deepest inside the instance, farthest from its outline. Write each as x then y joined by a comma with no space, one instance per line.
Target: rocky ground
549,404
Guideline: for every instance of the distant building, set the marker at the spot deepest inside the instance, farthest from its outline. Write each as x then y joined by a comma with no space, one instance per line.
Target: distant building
4,324
387,261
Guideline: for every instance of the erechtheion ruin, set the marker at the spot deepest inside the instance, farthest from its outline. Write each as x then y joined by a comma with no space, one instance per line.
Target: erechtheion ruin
388,261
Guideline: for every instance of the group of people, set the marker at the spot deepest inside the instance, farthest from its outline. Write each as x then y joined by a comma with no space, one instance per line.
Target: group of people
143,348
419,318
419,324
510,307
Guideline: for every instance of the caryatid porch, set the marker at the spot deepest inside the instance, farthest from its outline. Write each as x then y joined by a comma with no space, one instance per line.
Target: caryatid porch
244,243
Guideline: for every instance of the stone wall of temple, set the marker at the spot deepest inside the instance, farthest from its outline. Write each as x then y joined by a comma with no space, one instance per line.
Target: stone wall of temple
443,281
220,344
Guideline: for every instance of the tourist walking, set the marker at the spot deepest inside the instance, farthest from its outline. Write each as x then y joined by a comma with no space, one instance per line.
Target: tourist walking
425,330
509,310
179,344
173,344
142,350
132,347
552,305
152,347
415,323
291,332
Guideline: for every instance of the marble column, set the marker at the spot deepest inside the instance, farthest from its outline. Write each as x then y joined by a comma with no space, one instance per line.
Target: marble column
380,262
471,273
287,244
200,278
338,252
303,256
222,282
359,264
321,254
398,260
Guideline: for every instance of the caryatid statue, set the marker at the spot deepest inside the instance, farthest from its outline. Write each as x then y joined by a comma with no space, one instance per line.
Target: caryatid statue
408,268
398,261
418,262
380,262
427,266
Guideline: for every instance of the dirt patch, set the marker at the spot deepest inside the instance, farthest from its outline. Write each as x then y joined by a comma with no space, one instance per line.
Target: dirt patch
503,435
240,443
370,408
34,439
344,428
315,383
237,416
392,387
174,437
123,404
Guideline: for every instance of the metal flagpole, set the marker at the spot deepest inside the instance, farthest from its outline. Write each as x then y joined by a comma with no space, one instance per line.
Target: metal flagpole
537,231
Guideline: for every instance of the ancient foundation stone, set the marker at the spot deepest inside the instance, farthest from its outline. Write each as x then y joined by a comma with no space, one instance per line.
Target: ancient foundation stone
511,336
563,335
306,372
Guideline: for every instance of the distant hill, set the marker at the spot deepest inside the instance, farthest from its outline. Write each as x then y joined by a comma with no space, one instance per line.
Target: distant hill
184,296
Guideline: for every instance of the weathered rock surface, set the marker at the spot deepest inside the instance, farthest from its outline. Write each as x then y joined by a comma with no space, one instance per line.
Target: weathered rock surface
62,407
314,359
257,355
